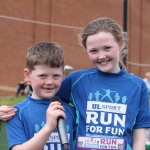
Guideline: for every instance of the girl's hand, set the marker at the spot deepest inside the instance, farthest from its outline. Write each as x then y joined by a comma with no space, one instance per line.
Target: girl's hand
7,112
54,111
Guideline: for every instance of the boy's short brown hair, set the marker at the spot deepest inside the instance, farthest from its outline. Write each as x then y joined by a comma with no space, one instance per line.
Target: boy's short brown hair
45,53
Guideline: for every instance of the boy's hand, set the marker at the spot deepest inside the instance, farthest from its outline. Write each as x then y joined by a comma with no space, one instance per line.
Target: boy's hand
54,111
7,112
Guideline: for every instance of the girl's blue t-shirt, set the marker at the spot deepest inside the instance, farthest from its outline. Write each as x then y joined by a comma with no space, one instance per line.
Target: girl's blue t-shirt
107,104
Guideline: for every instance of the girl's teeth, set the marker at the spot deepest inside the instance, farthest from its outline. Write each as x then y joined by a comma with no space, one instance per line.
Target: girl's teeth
103,63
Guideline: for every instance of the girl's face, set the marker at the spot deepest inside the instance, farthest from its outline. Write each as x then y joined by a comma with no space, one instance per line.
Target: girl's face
103,51
45,81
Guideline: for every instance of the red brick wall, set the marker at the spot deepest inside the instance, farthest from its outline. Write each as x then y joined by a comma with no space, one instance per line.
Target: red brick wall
17,36
139,37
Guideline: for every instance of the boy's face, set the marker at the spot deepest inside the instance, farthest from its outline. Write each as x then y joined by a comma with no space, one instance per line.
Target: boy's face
45,81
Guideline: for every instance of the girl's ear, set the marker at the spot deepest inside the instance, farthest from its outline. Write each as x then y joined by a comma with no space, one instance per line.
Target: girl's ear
122,44
27,74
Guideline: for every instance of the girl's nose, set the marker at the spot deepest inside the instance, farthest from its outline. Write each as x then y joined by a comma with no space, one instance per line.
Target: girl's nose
101,55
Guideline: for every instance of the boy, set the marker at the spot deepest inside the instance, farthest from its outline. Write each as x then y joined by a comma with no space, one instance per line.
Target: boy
34,125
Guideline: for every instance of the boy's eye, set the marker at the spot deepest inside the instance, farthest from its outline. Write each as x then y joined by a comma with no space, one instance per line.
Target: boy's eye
56,76
42,76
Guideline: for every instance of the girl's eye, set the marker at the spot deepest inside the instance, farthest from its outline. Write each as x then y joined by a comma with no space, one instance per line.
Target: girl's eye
107,48
93,51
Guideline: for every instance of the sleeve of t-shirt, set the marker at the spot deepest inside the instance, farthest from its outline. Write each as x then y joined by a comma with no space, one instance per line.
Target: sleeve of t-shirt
143,116
15,131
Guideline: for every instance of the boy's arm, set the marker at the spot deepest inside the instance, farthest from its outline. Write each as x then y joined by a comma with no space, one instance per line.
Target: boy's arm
37,142
7,112
139,136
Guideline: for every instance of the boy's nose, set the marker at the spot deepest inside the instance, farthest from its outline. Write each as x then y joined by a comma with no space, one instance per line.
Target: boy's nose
49,81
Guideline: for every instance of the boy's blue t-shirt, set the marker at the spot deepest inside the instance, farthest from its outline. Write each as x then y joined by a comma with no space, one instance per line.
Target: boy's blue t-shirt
31,118
107,104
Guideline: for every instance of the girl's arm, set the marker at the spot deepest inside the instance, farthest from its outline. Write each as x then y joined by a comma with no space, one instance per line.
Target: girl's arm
139,136
54,111
7,112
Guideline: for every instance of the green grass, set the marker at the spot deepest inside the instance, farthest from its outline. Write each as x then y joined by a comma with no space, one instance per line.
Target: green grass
7,100
10,100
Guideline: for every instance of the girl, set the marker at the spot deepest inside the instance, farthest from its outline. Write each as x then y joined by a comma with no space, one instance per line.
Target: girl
111,104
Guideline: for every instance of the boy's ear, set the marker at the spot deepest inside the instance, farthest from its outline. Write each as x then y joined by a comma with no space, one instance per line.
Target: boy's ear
27,74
